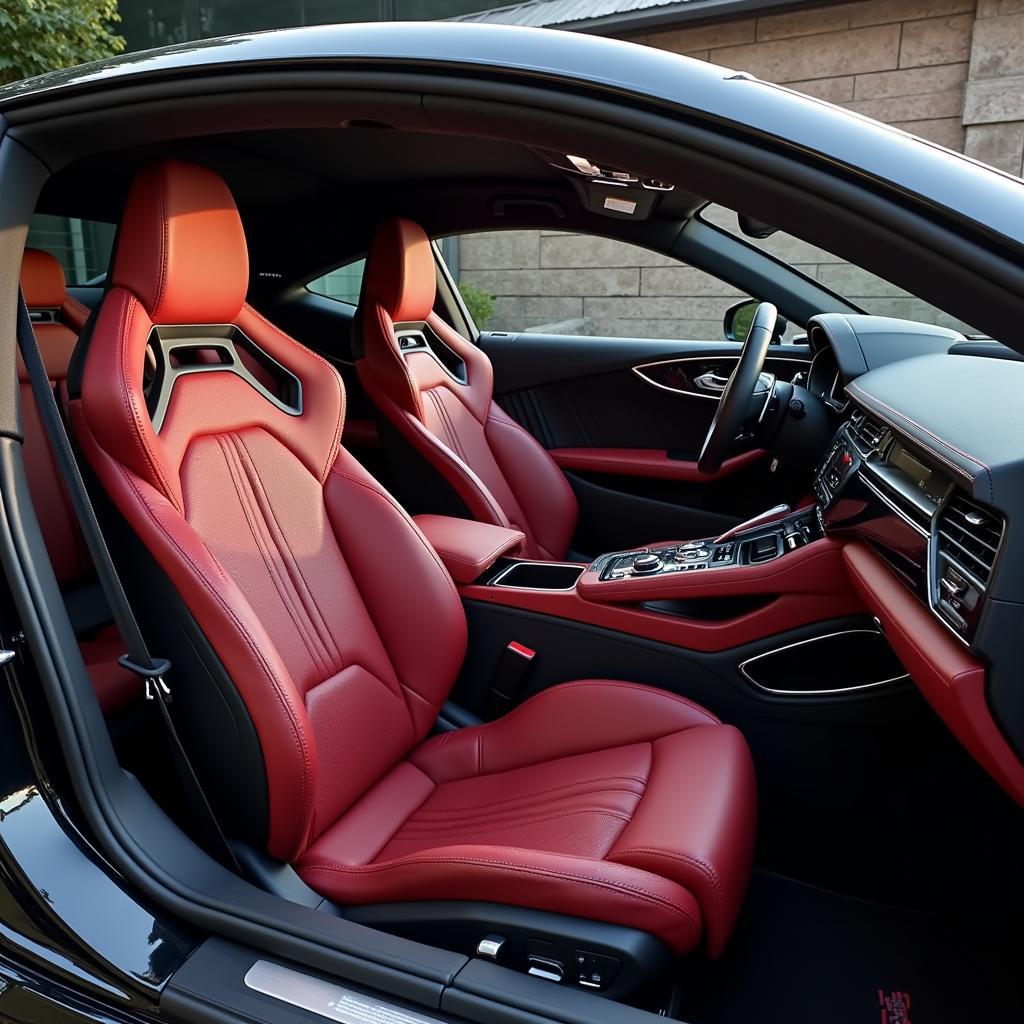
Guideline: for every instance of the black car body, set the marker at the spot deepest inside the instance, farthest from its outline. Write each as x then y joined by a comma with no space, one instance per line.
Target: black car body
112,912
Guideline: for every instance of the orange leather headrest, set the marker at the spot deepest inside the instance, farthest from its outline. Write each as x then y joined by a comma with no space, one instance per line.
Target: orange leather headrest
181,248
42,280
400,272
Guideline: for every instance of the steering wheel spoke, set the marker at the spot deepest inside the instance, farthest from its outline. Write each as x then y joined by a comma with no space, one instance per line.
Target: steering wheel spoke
745,395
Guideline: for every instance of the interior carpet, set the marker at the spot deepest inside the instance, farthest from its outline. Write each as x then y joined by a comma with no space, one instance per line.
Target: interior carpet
802,954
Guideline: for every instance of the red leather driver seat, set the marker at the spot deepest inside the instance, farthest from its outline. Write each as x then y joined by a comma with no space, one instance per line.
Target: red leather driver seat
343,632
495,467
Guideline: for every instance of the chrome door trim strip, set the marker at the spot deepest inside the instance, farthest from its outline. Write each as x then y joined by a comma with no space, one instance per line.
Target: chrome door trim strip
816,693
640,367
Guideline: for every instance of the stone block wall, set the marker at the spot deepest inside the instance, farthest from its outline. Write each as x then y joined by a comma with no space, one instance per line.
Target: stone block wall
585,285
994,104
904,62
951,71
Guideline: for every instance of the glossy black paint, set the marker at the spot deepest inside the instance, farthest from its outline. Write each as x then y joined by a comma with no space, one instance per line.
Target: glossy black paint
961,188
75,944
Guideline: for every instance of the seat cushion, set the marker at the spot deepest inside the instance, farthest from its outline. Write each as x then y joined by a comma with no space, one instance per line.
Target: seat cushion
599,799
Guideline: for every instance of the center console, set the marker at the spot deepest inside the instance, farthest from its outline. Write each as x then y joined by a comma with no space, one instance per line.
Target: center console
748,544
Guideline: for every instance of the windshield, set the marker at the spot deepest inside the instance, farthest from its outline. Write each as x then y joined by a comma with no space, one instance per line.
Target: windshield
860,287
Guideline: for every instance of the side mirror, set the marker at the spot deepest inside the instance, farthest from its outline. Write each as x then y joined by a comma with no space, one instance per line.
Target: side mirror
738,317
754,228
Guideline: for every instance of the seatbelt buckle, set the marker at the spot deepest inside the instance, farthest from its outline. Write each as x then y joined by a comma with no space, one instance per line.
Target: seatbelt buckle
153,677
510,674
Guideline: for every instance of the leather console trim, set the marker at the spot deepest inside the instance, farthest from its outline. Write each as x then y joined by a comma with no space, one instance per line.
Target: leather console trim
811,586
648,462
811,569
951,679
466,547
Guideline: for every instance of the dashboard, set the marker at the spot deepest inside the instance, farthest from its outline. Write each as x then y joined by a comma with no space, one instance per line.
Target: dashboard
926,475
944,544
845,346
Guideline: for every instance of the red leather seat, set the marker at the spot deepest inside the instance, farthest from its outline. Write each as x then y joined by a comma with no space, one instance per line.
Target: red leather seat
496,468
343,633
59,319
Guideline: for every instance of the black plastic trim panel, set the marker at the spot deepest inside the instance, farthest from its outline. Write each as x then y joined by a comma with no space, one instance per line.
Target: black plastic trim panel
210,989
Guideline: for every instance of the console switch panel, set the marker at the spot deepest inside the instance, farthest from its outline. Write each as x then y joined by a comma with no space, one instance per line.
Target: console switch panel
595,970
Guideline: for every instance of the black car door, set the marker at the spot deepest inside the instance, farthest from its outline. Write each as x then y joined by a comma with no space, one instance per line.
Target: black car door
625,418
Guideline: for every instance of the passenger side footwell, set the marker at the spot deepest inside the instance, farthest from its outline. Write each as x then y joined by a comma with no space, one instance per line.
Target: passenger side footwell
802,954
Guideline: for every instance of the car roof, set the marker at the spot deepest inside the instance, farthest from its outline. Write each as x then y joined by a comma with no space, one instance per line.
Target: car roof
960,187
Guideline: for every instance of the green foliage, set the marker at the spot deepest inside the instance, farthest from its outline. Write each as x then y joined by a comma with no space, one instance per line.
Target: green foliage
743,319
42,35
481,304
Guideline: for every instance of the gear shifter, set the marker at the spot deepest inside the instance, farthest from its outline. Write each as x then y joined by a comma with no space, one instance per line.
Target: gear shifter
770,516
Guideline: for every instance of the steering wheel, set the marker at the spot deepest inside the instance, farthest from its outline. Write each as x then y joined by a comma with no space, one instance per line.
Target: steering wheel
734,403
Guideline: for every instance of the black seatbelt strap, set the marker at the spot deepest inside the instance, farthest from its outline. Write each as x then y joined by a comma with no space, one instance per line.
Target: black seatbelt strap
152,671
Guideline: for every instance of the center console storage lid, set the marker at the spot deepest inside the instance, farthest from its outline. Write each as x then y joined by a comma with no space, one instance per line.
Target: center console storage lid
466,547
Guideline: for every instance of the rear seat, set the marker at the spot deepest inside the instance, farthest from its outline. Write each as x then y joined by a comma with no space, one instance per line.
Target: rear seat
58,319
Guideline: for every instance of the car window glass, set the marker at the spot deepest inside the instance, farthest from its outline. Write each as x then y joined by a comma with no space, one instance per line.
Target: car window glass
342,283
556,282
865,290
82,247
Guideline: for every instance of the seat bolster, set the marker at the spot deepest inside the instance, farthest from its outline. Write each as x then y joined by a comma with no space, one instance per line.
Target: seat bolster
572,718
237,636
541,488
592,889
476,393
410,596
470,489
360,834
696,822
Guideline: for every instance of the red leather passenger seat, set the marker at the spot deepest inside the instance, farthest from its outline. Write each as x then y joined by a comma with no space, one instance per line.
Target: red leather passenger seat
342,632
58,320
495,467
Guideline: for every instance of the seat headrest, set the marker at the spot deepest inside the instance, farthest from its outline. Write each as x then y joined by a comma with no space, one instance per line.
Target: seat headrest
181,248
42,280
400,271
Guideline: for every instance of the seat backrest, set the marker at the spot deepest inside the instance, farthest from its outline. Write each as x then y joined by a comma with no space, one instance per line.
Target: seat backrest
58,319
332,617
436,389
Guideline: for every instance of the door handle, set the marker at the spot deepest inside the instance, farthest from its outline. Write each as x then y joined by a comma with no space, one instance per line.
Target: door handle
711,381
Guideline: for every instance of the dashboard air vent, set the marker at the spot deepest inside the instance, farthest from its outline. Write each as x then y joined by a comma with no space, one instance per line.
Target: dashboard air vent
968,539
869,435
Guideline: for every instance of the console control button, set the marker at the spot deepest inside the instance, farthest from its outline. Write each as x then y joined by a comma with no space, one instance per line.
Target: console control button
646,563
723,553
595,970
693,554
542,967
490,946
